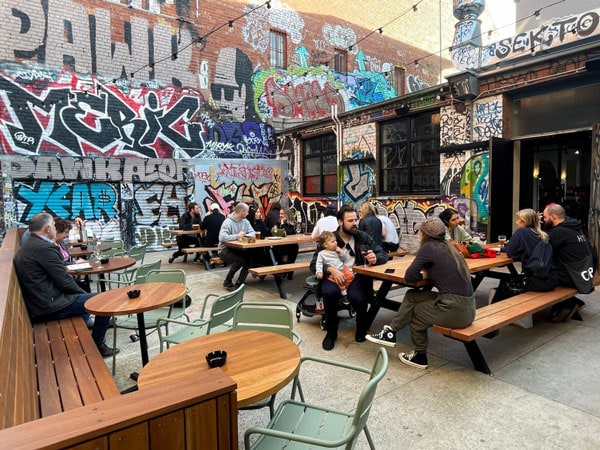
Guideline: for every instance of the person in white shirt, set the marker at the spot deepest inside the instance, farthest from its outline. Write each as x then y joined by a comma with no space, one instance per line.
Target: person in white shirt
389,235
326,223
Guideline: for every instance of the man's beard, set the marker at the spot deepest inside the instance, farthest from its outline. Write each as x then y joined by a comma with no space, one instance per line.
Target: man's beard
353,231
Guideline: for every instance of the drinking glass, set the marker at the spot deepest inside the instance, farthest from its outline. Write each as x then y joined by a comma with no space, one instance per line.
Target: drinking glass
502,239
364,250
98,253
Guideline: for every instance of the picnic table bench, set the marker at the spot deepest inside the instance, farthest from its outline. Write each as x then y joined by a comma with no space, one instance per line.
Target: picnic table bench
497,315
207,250
277,270
56,391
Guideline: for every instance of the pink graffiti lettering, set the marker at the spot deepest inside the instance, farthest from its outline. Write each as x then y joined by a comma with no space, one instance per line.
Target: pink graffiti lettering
244,172
308,99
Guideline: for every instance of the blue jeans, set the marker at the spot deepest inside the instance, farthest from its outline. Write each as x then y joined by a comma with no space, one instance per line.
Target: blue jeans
77,309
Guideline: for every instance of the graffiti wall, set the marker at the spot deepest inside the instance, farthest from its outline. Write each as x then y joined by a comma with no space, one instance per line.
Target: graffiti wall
227,182
46,111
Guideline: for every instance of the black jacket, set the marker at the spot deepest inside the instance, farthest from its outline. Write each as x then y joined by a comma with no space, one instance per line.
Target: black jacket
46,285
361,238
569,245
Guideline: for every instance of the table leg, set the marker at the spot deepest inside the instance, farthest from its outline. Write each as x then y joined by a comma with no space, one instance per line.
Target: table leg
102,280
278,278
380,301
143,339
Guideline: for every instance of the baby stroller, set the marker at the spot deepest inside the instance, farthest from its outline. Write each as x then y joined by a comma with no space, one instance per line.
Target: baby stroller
308,308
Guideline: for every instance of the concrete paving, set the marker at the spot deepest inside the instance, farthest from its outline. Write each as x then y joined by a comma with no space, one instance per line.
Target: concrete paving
544,392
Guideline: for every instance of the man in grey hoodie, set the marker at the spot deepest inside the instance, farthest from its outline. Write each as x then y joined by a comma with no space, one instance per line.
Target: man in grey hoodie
236,225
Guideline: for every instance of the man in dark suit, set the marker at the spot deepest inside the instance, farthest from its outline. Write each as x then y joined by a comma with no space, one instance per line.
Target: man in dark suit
50,292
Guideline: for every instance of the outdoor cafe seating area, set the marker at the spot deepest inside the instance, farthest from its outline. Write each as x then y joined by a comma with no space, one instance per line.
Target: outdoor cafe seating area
450,405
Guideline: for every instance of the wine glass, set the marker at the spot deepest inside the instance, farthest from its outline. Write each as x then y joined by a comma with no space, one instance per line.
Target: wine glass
364,251
98,254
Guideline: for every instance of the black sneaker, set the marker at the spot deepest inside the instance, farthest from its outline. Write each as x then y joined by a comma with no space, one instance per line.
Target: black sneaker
171,259
329,342
386,337
227,284
415,359
107,351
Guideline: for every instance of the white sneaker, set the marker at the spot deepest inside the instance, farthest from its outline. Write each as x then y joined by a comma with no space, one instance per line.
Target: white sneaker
418,360
386,337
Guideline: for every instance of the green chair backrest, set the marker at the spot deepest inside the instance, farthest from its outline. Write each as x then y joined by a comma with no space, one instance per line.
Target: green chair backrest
263,316
168,276
223,309
363,408
142,272
138,252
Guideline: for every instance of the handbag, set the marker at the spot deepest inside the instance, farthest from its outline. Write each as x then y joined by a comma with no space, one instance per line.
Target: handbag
462,249
509,287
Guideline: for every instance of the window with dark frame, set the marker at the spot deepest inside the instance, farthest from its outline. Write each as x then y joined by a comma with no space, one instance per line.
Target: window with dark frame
320,166
399,78
409,155
340,60
277,49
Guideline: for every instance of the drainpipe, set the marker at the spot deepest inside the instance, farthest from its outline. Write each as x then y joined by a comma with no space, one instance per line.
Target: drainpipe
337,129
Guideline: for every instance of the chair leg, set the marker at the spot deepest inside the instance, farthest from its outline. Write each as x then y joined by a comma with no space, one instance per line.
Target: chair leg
272,406
369,438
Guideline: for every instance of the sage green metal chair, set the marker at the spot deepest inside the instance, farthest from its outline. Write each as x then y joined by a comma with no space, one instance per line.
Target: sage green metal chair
265,316
220,318
298,425
138,253
146,274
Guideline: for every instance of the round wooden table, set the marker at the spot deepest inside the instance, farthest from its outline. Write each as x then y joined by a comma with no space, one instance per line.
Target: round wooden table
115,302
261,363
97,268
78,252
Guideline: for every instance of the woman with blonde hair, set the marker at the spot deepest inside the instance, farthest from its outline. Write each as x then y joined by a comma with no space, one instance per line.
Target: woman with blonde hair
521,244
369,223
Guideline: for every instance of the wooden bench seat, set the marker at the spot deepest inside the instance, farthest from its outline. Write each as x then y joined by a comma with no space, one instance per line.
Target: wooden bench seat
199,249
70,370
56,391
279,268
277,271
497,315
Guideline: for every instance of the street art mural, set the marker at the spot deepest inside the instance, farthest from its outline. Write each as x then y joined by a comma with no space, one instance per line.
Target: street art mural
227,182
549,34
357,168
46,111
121,198
487,118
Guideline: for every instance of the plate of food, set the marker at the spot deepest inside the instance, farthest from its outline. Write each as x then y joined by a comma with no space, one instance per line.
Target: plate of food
274,238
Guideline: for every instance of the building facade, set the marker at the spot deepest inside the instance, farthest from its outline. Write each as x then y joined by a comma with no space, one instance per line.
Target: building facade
121,111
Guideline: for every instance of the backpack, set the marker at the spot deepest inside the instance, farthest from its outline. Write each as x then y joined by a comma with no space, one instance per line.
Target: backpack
540,261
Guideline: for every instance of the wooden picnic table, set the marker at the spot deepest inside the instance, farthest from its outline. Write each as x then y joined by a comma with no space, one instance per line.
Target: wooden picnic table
393,272
270,242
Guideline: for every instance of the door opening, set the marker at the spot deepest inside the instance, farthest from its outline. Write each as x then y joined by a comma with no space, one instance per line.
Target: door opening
557,169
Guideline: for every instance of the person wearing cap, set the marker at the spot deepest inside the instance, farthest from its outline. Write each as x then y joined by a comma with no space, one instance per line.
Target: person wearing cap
326,223
452,305
212,225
